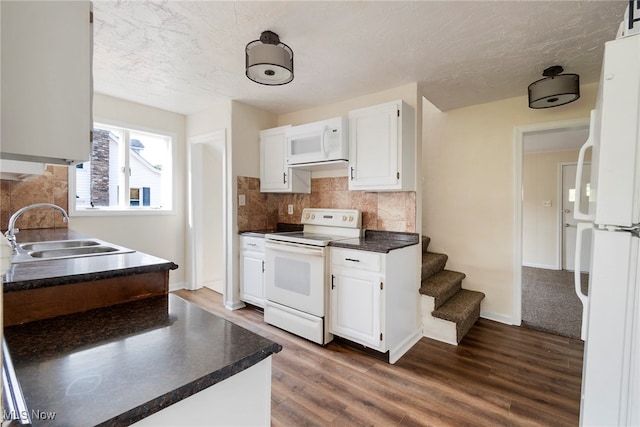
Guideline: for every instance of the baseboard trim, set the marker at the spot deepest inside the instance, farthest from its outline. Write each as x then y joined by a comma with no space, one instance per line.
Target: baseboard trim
543,266
177,286
404,346
233,305
215,285
501,318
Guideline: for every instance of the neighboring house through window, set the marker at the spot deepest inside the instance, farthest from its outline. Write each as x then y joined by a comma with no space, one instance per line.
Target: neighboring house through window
128,170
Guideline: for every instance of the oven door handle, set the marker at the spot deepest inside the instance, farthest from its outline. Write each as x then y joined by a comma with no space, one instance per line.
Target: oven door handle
294,248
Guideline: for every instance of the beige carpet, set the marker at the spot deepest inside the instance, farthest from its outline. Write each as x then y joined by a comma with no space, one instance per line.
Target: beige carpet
549,301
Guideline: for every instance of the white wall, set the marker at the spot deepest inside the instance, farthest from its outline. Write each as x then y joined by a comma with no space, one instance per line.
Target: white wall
159,235
468,192
244,160
213,248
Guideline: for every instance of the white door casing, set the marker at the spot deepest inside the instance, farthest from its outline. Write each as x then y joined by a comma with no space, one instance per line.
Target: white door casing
518,149
197,190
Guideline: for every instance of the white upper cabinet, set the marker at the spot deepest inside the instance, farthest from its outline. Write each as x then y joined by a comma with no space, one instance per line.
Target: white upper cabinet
382,148
275,175
46,81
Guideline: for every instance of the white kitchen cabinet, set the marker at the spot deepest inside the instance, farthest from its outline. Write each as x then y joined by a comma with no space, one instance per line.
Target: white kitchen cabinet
275,175
382,148
46,81
252,270
356,307
374,299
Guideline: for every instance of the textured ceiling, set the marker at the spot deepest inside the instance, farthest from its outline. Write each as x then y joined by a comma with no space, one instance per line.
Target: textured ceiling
186,56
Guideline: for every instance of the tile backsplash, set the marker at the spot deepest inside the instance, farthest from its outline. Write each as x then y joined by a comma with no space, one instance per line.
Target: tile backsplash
389,211
50,187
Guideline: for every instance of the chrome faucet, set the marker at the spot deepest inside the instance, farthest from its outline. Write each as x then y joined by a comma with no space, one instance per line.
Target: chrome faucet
11,228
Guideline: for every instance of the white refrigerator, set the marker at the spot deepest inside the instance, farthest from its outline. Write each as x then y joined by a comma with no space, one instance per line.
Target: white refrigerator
611,313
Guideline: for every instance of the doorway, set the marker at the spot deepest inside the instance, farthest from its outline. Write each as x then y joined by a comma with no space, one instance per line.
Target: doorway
207,240
544,295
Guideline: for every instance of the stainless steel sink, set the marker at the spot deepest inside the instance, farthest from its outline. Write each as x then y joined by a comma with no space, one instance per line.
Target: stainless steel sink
62,249
58,244
57,253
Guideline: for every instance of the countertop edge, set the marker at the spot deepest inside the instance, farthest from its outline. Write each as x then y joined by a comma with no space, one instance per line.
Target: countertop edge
379,241
24,285
161,402
371,248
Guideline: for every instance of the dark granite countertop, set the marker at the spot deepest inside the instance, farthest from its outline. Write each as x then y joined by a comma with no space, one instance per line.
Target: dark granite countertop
39,274
378,241
280,227
119,364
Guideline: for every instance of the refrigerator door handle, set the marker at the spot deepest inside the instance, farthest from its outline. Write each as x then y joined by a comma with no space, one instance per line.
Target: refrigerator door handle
582,227
577,213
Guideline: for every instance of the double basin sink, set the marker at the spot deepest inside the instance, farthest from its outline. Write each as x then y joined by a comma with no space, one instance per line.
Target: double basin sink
62,249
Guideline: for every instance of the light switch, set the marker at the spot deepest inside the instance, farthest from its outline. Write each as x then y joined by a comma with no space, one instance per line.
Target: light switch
290,209
546,203
241,200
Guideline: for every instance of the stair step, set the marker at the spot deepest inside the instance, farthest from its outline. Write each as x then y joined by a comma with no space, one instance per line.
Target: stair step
463,309
442,286
432,263
425,243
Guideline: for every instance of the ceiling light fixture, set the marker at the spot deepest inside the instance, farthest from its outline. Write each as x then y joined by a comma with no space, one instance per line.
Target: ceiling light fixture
555,89
268,61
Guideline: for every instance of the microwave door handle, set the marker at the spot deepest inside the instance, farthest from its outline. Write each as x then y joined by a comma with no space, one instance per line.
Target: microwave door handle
323,145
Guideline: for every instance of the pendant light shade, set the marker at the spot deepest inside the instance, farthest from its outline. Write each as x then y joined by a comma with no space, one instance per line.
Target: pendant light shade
268,61
555,89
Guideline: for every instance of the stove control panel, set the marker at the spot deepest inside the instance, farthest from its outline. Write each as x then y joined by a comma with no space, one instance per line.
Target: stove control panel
346,218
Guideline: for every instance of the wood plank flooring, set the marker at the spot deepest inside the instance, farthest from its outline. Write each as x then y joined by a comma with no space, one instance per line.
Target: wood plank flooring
499,375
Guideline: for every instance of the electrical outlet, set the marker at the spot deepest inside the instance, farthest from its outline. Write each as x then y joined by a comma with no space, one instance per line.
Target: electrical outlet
290,209
241,200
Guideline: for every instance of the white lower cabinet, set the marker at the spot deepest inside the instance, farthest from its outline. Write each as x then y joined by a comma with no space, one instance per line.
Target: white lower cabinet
374,299
252,270
356,307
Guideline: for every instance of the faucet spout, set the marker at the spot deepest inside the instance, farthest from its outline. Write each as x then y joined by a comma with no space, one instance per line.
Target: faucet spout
11,228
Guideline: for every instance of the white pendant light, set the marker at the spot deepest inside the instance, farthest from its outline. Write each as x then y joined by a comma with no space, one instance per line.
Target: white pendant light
555,89
268,61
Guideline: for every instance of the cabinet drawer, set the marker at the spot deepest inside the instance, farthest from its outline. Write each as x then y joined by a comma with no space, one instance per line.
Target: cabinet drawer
250,243
370,261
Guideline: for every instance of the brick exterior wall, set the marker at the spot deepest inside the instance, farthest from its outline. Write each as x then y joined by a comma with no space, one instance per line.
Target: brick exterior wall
100,168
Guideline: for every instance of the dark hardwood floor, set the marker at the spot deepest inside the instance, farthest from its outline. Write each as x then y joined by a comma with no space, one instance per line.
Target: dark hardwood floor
499,375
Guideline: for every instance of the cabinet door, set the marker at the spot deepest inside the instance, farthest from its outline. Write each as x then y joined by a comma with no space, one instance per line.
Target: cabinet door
356,311
252,279
46,81
275,175
273,171
373,147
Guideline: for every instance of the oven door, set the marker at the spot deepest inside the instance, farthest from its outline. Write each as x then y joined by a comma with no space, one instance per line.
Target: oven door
295,276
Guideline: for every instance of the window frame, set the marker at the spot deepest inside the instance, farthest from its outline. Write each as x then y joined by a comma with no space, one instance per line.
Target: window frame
127,210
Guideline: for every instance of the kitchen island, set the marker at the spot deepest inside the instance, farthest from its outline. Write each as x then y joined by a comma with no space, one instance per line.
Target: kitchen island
79,283
97,340
47,273
117,365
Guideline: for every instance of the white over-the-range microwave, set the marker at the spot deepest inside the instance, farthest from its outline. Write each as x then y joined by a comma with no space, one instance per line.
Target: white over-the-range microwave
318,142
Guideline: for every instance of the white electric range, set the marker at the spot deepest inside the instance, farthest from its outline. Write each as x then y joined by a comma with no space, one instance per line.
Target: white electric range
297,273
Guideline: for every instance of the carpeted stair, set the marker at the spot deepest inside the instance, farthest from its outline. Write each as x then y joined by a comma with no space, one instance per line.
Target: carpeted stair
448,311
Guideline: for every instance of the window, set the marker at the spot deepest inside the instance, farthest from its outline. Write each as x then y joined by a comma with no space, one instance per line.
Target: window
129,170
